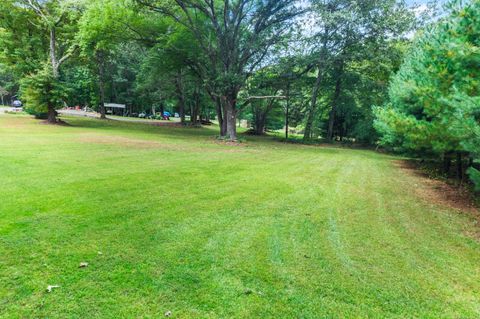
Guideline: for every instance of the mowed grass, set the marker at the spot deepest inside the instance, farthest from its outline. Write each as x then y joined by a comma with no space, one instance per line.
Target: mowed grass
170,220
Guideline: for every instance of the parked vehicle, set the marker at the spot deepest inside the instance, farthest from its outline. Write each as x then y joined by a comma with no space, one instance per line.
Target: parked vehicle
166,116
17,103
163,116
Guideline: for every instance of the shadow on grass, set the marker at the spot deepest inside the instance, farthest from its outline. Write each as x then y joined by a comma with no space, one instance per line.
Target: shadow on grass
196,134
175,132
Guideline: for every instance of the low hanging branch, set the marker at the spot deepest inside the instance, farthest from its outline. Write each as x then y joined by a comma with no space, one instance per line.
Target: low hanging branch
263,97
71,51
266,97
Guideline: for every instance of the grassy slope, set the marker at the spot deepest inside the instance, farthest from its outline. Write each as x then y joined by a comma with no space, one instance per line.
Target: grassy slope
262,230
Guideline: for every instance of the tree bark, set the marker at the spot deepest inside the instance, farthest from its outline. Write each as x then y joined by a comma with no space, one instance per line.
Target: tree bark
101,83
259,123
180,96
459,166
447,163
52,116
230,117
311,111
162,108
221,122
195,109
53,57
261,117
313,104
333,111
286,111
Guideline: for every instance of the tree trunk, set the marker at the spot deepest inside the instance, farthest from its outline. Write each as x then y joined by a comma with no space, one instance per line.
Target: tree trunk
333,111
261,116
53,57
459,166
286,111
231,118
195,108
181,97
101,82
259,121
162,109
52,116
311,111
221,122
182,112
218,110
316,88
447,163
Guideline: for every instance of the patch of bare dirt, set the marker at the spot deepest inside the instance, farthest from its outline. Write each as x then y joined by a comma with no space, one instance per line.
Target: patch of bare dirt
121,141
149,144
229,143
13,125
58,122
440,192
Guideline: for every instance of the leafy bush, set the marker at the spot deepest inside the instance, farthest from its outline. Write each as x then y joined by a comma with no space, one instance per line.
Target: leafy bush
475,177
42,90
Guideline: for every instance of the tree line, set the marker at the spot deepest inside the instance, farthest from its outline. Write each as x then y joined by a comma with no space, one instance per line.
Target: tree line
335,70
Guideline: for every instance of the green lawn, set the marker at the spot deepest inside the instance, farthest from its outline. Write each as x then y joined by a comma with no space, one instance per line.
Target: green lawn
207,230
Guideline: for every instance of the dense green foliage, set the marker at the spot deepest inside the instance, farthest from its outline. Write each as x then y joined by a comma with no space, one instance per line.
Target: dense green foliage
157,56
41,90
356,49
434,105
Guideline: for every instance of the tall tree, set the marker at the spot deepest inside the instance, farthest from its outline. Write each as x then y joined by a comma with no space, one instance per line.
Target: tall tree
349,31
235,37
55,16
434,105
3,93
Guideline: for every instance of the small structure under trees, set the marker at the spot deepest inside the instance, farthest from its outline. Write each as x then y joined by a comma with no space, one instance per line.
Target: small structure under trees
115,109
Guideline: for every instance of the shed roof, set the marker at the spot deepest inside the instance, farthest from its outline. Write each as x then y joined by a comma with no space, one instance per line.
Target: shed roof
115,105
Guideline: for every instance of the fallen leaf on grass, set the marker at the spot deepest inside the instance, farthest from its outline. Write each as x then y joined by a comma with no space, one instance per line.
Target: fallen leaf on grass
51,287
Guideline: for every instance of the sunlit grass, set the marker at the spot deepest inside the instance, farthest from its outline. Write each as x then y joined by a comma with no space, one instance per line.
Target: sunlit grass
170,219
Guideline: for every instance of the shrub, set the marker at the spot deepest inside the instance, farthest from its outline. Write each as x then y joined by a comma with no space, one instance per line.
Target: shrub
41,90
